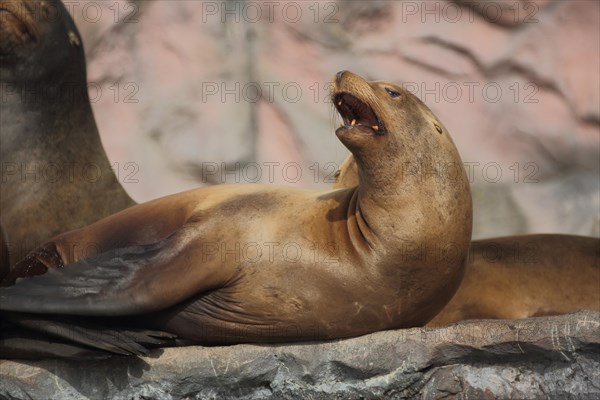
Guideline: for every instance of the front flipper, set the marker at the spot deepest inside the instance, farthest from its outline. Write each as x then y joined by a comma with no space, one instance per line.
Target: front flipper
125,281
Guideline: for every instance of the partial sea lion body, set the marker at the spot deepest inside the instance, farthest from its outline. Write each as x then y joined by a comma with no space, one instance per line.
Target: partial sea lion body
55,174
347,174
518,276
253,263
526,276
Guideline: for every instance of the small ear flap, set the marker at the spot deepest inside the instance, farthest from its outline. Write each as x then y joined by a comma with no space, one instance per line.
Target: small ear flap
438,128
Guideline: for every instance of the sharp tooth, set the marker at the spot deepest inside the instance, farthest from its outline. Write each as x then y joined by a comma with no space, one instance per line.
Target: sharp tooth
340,103
353,122
375,127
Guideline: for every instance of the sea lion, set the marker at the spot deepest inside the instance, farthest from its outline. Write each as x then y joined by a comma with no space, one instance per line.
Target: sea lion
260,263
55,174
526,276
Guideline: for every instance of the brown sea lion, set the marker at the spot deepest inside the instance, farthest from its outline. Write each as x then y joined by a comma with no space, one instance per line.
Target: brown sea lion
55,174
526,276
519,276
258,263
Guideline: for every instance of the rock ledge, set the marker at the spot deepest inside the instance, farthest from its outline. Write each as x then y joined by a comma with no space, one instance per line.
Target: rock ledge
550,357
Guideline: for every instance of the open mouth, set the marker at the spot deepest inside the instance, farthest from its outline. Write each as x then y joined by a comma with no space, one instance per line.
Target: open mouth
357,113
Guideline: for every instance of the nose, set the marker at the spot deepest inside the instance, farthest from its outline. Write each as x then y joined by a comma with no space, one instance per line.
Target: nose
339,75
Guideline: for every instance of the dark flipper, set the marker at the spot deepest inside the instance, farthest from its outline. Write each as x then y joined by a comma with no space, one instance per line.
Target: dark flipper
25,345
121,341
122,281
76,302
88,287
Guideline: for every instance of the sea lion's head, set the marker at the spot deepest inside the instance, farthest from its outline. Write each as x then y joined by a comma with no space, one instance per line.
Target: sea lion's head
388,130
32,33
382,117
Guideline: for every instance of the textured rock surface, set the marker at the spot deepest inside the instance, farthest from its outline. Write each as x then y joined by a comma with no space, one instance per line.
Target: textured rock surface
175,86
551,357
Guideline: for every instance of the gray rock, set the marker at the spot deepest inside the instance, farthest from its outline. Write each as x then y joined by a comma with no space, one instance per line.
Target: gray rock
550,357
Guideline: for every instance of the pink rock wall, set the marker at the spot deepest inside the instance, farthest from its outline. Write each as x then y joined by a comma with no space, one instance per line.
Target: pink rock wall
185,91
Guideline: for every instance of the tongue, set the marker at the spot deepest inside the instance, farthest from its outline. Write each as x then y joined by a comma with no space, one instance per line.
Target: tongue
356,111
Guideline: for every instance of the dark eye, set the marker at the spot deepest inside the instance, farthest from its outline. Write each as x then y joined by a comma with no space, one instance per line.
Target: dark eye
392,92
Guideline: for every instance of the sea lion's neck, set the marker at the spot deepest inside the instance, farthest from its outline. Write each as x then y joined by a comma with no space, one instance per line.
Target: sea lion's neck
414,200
51,154
42,139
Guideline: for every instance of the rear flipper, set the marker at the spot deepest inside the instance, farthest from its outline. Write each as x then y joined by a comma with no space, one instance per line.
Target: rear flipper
92,338
24,345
